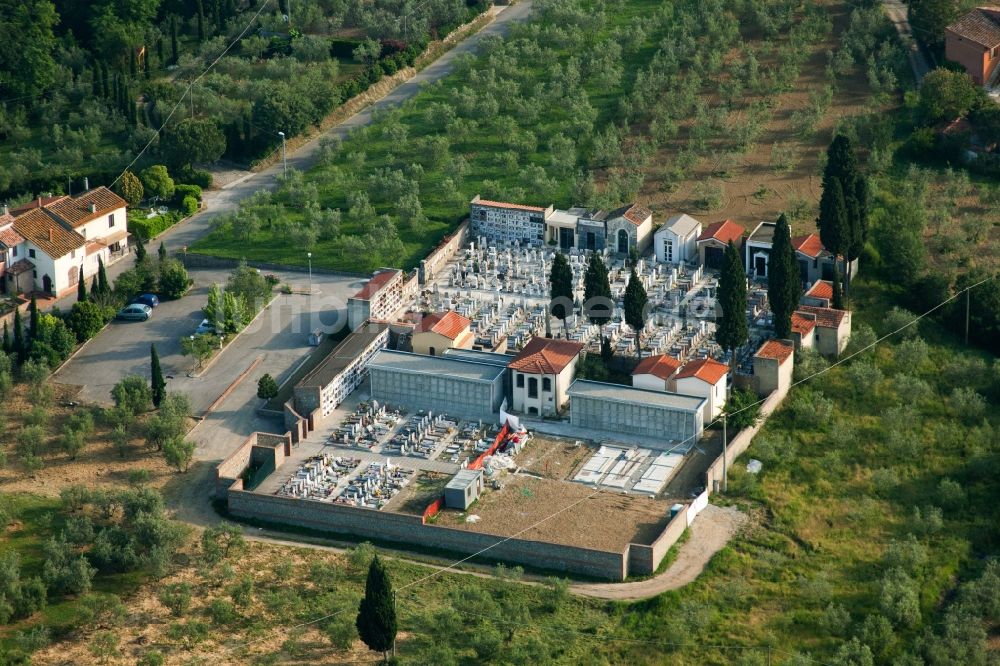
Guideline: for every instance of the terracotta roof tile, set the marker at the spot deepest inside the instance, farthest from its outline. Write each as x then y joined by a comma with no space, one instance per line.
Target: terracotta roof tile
77,211
981,25
809,245
449,324
374,285
802,324
776,350
825,317
545,356
501,204
36,203
659,365
52,238
724,232
821,289
9,238
632,212
706,369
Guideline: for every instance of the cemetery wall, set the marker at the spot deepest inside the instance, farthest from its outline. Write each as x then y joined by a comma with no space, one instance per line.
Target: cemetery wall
260,448
442,254
388,526
741,442
644,560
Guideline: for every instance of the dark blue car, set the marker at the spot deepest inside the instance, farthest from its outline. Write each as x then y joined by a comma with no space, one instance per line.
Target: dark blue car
147,299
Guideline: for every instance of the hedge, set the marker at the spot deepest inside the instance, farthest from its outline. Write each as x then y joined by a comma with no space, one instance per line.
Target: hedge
154,226
182,191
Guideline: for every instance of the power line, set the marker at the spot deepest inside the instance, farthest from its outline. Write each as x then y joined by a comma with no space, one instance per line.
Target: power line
189,87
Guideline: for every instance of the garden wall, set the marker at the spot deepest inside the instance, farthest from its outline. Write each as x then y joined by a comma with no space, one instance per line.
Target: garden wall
442,254
259,448
741,442
644,560
195,260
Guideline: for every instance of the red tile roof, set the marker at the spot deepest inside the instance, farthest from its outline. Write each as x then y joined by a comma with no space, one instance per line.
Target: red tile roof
77,211
825,317
802,324
981,26
821,289
724,232
52,238
660,365
775,350
449,324
374,285
706,369
36,203
632,212
809,245
501,204
9,238
545,356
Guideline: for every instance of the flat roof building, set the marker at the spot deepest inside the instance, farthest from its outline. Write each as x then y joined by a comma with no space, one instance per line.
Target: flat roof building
666,417
463,489
455,386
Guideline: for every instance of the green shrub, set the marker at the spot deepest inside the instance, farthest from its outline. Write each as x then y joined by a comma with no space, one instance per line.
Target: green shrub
174,279
183,191
199,177
147,228
189,206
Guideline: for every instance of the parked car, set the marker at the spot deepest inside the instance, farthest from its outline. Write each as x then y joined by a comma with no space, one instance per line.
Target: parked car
147,299
205,327
135,312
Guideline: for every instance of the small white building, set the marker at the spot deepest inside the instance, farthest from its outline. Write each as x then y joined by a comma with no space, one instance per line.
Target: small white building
757,251
772,367
440,331
676,241
820,294
656,373
833,329
704,378
463,489
803,330
541,374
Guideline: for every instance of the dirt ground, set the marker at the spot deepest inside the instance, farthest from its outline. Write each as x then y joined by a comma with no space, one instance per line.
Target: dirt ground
427,487
597,519
752,189
98,464
553,458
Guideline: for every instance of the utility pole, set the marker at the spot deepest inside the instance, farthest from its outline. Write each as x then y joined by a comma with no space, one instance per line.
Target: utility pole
309,255
284,161
725,456
394,613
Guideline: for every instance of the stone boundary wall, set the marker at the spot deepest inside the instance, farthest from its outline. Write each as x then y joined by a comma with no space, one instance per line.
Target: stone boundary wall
645,560
195,260
259,447
442,254
389,526
297,425
741,442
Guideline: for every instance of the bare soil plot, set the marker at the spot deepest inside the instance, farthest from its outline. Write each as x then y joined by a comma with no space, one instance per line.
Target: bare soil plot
597,519
424,489
552,457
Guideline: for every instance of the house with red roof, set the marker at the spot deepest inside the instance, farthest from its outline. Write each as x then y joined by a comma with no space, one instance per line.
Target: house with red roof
973,41
440,331
656,373
820,294
713,240
704,378
772,366
803,330
815,261
541,373
833,329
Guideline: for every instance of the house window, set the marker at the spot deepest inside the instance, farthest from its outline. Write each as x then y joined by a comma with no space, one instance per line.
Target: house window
111,220
15,250
31,253
532,387
546,384
34,274
670,251
520,380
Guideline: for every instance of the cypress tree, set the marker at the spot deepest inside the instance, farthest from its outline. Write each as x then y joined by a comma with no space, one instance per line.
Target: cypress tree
133,64
33,317
7,345
95,85
201,21
376,621
102,278
597,291
732,330
833,224
81,288
140,249
94,290
20,348
837,302
157,383
561,289
842,166
162,252
784,285
635,306
174,47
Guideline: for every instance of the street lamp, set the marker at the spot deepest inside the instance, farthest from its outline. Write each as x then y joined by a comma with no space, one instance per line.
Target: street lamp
309,255
284,162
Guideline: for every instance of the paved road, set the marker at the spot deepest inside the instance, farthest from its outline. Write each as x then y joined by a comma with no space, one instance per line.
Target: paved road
896,11
222,201
279,334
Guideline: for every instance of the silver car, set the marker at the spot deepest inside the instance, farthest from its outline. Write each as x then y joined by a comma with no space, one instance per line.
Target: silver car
135,312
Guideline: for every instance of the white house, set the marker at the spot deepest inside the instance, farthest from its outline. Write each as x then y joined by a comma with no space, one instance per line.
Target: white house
757,250
656,373
676,241
705,378
440,331
833,328
541,374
